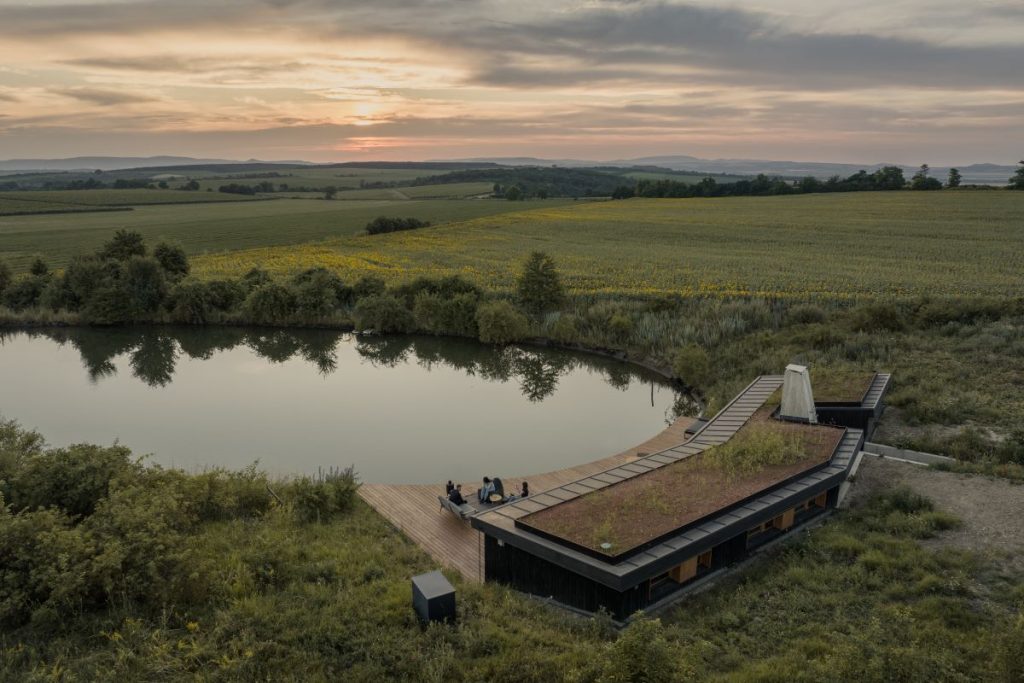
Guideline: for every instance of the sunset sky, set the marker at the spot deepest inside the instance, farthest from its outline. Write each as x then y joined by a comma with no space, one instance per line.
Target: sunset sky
908,81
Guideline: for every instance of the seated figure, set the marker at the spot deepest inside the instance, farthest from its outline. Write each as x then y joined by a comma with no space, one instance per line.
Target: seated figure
486,490
455,495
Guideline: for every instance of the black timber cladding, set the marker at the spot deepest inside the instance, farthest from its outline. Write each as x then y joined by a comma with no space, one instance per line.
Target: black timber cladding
500,523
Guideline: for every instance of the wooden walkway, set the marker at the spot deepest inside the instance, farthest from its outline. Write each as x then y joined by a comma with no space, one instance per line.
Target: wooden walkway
413,508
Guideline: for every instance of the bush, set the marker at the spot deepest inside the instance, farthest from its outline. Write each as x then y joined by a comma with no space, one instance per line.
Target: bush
692,364
641,653
383,313
74,479
383,224
190,302
317,292
225,295
499,322
270,303
256,277
321,498
805,314
539,287
25,292
368,286
877,317
445,288
455,315
565,329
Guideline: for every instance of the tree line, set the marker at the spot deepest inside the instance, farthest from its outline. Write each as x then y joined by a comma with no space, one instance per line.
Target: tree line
888,178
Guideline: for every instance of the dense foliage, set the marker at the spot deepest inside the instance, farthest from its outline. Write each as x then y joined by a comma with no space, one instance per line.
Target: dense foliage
383,224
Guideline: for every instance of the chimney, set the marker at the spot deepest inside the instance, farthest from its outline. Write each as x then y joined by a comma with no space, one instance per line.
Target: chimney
797,399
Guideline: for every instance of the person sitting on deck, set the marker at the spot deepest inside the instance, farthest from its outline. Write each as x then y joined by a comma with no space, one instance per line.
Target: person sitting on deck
455,495
525,493
485,492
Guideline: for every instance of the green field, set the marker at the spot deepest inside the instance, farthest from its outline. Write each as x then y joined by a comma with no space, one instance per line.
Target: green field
348,177
23,207
122,197
202,228
830,246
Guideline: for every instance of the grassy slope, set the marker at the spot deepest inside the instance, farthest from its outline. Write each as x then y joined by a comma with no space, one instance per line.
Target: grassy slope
202,228
830,246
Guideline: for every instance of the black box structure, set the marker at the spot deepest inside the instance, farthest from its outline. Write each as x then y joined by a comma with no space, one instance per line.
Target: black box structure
433,597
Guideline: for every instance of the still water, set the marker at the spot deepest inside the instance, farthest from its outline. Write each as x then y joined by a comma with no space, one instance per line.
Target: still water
403,409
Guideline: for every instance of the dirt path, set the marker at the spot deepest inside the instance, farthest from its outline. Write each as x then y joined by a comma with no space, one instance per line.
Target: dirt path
992,510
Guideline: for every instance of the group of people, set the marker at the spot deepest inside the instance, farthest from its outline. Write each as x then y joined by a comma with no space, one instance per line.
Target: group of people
485,492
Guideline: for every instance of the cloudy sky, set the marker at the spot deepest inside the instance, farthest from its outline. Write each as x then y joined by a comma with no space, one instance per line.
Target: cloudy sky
910,81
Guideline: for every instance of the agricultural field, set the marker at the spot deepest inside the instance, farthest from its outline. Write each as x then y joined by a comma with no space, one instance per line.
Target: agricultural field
106,198
830,246
229,225
344,177
23,207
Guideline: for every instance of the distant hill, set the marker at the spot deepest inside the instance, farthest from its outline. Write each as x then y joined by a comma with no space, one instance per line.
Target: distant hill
117,163
973,173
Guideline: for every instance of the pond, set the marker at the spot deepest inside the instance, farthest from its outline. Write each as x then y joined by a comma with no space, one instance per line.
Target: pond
401,409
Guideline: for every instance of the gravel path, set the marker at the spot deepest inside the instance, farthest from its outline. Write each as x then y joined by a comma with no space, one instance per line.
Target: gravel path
991,509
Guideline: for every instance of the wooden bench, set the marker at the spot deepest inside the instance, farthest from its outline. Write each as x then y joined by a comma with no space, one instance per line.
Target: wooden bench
461,511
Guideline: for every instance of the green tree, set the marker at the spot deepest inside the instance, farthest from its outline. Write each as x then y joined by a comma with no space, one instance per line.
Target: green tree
123,245
383,313
1017,179
514,193
172,259
144,286
539,288
269,303
954,178
693,366
330,192
923,181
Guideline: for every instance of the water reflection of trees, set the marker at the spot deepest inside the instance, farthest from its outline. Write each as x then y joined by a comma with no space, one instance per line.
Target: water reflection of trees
153,353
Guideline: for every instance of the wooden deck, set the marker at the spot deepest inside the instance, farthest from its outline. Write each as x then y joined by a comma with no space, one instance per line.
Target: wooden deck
413,508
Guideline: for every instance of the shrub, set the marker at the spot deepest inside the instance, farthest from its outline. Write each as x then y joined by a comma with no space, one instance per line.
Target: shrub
190,302
316,292
877,317
565,329
539,287
445,288
692,364
256,277
641,653
383,313
25,292
38,267
172,260
57,295
225,295
383,224
499,322
455,315
107,305
368,286
620,326
805,314
73,479
269,303
87,274
321,498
